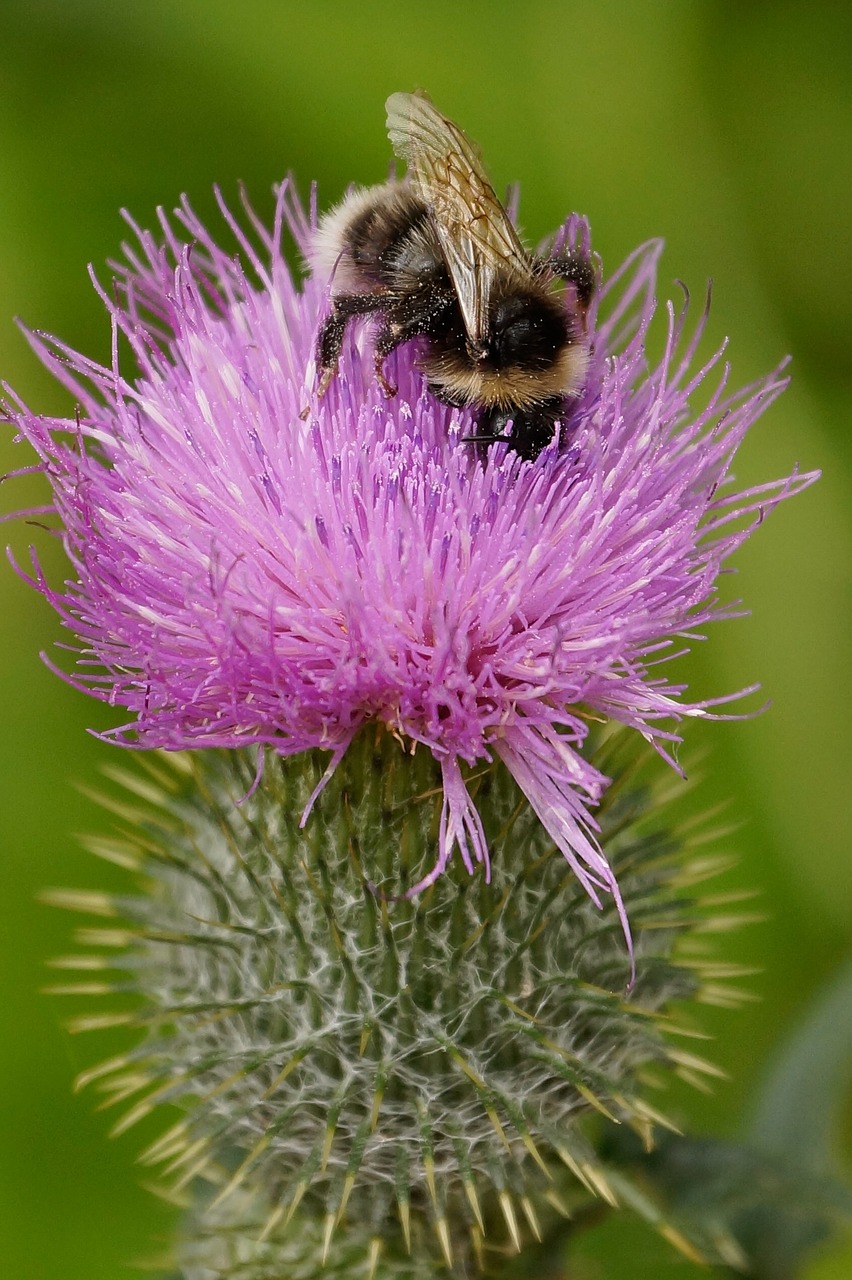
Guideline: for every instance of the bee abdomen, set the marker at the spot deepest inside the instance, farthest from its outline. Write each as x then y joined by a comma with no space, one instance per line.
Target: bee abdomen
365,241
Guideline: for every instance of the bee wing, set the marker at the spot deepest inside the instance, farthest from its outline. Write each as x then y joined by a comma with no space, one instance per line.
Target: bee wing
476,236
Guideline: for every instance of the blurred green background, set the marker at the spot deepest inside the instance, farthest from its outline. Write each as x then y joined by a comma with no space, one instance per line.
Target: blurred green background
724,127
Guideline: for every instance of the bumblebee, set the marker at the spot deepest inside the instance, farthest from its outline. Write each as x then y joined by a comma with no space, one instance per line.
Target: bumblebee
437,257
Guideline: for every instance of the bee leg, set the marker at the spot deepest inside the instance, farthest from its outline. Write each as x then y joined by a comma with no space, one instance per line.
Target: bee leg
330,338
388,339
387,387
402,323
329,344
576,269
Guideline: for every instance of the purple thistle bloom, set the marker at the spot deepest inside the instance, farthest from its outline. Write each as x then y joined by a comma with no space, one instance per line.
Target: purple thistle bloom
244,575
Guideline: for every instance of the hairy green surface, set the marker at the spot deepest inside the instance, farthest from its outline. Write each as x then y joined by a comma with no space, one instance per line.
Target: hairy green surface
416,1071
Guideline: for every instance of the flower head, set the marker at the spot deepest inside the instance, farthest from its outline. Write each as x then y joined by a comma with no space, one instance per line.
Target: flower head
244,572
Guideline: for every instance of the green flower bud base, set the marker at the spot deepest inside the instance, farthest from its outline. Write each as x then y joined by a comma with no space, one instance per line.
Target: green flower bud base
375,1084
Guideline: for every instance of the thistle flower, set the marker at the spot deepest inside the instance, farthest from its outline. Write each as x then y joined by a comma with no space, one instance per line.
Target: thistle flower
425,641
245,575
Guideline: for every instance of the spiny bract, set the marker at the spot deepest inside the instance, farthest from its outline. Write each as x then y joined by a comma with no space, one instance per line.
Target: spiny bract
414,1068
